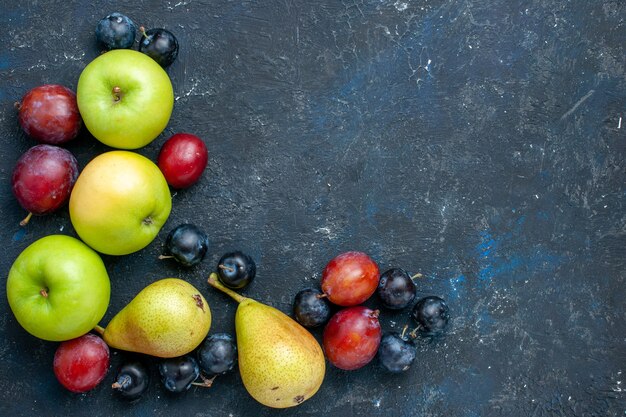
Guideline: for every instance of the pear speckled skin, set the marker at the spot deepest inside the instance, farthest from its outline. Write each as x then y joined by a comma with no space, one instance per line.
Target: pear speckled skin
168,318
280,362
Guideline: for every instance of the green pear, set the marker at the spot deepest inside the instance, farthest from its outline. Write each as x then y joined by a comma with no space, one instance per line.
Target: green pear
168,318
280,362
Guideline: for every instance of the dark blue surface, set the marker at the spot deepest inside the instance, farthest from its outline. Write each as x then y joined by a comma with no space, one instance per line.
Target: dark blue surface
480,143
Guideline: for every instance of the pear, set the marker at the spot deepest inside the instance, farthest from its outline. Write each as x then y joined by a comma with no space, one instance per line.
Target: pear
168,318
280,362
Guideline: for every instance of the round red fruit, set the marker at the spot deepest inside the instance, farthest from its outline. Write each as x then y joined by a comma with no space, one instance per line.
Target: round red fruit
43,178
350,278
81,364
182,159
351,337
49,114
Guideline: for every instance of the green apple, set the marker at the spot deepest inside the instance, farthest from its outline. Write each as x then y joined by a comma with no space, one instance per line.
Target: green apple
58,288
119,202
125,98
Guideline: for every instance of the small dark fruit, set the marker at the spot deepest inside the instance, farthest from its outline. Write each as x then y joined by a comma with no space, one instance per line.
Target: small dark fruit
116,31
236,270
217,354
132,380
396,289
431,314
160,45
178,374
311,308
187,244
395,353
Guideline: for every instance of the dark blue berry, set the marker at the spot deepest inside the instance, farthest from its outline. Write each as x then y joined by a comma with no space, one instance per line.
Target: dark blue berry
177,374
311,308
431,314
236,269
160,45
116,31
217,354
187,244
396,289
395,353
132,380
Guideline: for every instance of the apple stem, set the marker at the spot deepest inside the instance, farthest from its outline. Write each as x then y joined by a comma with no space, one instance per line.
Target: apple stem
227,268
26,219
213,281
99,329
117,93
44,292
166,256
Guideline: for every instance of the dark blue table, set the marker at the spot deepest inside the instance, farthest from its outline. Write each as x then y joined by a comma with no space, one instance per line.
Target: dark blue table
480,143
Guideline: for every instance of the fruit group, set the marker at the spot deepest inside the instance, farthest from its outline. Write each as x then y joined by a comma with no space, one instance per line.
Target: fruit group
43,179
187,244
351,337
119,202
160,45
350,278
396,289
168,318
182,159
58,288
116,31
125,98
81,364
431,314
395,353
280,362
311,308
132,380
217,354
177,374
236,269
49,114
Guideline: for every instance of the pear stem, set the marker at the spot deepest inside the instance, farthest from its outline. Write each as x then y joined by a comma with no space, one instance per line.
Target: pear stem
99,330
215,283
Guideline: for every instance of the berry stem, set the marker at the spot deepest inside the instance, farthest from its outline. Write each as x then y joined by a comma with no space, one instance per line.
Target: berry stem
404,329
226,268
215,283
26,219
418,275
166,256
206,382
322,295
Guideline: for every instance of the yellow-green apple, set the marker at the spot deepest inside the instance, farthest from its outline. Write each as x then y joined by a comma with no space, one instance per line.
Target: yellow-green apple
125,98
58,288
120,202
